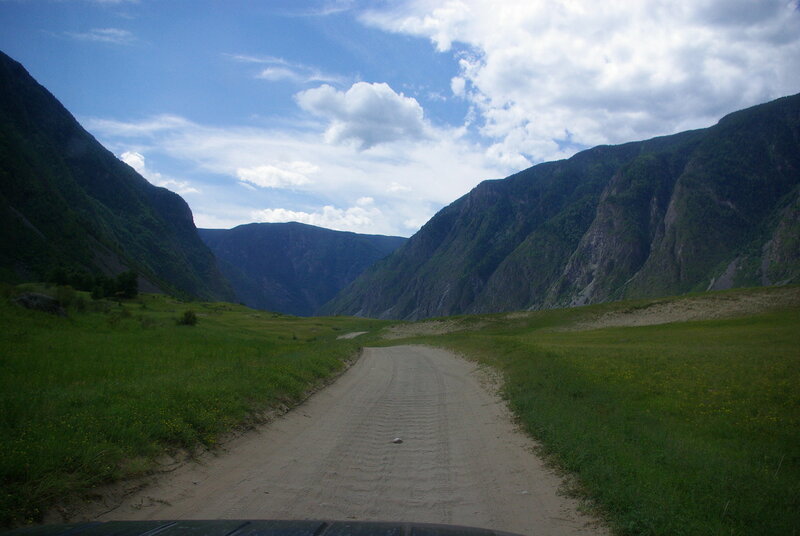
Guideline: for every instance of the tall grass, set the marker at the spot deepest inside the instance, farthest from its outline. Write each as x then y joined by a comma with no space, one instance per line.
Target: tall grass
683,428
100,395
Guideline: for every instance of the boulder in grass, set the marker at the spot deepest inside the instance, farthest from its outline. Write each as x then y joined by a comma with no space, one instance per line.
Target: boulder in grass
40,302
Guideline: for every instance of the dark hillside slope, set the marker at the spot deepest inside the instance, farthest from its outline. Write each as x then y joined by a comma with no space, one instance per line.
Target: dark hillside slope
65,201
711,208
291,267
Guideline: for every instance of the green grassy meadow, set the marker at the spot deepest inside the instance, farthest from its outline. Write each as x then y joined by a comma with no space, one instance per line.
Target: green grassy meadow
680,428
100,395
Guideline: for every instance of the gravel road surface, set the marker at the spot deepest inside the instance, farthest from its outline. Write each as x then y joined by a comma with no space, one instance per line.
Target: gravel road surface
409,433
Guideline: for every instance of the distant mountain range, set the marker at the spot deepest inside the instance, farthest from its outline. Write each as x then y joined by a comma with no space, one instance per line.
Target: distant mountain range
291,267
66,202
706,209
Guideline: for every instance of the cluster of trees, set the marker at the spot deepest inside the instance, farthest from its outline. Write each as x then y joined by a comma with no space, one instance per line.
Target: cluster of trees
124,285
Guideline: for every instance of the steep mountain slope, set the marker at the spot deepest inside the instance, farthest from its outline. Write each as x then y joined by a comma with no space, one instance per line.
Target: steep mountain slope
291,267
711,208
65,201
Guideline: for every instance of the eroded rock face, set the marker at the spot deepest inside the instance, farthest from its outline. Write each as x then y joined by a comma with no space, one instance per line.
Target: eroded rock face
715,207
40,302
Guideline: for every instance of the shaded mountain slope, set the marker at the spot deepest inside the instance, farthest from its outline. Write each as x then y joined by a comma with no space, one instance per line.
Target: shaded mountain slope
65,201
291,267
711,208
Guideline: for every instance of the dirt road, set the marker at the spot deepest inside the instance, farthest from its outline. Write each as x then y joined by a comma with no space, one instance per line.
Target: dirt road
460,461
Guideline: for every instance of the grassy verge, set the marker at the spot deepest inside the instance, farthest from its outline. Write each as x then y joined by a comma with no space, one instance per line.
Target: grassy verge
682,428
98,396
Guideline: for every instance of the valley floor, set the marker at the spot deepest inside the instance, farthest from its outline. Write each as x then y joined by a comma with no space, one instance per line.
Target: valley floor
409,433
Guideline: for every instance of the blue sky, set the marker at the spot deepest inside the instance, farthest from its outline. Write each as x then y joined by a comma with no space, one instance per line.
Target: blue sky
371,116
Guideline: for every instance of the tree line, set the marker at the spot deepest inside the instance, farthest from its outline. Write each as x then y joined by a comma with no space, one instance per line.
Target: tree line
124,285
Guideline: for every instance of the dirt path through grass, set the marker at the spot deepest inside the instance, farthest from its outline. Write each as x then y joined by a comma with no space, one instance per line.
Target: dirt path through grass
409,433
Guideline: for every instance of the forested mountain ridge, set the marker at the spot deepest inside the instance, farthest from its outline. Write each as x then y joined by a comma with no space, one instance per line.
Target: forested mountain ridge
292,267
68,203
711,208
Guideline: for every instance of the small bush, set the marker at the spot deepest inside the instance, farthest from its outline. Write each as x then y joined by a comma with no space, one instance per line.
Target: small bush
65,295
79,304
189,318
98,293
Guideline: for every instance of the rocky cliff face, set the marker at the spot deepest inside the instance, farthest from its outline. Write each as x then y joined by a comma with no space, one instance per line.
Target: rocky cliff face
66,202
291,267
711,208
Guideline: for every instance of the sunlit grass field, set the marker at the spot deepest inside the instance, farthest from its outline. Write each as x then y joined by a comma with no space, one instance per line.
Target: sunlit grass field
681,428
101,394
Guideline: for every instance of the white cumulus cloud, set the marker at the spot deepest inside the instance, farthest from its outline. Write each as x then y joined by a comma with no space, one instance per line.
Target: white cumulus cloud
406,181
137,162
286,175
546,78
396,187
367,114
457,86
359,218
